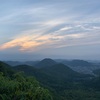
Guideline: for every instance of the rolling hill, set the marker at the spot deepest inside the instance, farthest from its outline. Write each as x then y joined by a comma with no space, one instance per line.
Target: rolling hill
45,63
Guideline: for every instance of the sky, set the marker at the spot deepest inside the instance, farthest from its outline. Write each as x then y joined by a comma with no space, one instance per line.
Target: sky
58,29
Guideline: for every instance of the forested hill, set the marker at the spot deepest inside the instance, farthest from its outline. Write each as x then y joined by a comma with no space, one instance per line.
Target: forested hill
54,82
16,86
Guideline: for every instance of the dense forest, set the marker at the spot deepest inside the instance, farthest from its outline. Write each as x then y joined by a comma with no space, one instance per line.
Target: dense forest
48,81
16,86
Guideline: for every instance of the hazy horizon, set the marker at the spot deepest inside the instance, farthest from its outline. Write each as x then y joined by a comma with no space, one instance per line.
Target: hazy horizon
57,29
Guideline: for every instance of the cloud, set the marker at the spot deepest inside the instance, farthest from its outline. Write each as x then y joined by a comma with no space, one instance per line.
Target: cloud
68,35
34,41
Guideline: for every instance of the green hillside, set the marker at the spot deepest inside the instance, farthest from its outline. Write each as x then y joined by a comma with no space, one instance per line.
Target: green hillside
16,86
55,82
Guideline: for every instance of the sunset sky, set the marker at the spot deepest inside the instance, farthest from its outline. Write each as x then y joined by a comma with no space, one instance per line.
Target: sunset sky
36,29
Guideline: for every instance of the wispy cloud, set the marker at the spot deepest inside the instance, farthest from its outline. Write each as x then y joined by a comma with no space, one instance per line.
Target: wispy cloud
33,40
69,35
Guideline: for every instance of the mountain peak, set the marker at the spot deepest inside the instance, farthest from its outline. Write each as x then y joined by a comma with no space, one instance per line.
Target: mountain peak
48,59
45,63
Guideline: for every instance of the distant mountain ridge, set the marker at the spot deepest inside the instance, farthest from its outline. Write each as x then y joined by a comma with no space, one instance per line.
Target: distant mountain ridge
81,66
78,65
16,63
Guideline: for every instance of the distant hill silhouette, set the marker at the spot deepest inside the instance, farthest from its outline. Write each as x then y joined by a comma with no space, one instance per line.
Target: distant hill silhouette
45,63
16,63
77,63
81,66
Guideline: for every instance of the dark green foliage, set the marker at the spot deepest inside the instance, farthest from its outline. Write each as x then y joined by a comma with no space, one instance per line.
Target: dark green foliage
81,95
94,83
22,88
